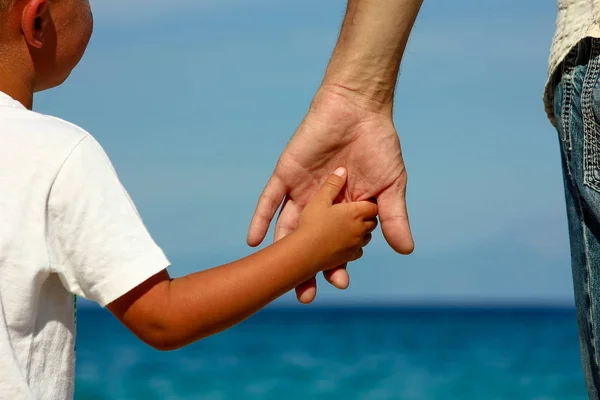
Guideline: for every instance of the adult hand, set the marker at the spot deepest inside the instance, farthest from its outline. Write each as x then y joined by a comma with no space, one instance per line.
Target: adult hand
340,130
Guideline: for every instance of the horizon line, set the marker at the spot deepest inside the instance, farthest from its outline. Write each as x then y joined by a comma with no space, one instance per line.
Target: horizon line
407,305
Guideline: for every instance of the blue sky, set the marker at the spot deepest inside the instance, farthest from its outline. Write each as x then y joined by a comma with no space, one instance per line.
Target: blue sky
194,100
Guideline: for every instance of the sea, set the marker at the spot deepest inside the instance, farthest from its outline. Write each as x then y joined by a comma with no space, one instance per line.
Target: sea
366,353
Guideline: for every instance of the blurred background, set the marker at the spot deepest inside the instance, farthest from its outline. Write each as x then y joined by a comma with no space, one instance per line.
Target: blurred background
194,101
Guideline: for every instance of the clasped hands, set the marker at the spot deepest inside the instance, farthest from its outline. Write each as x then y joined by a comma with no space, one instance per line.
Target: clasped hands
338,131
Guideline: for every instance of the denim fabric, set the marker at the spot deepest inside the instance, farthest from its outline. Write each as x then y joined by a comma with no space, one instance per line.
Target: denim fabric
576,20
577,110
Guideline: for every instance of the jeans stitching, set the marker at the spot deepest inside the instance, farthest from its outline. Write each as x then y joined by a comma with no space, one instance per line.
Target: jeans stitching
590,148
592,74
590,314
590,163
569,67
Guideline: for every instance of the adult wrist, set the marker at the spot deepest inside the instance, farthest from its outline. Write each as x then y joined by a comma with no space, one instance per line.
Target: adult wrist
370,98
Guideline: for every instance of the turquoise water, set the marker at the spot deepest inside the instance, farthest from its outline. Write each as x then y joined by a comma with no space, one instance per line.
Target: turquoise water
376,353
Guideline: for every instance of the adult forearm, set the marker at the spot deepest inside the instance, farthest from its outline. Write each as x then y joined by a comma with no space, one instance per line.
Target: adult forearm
372,40
207,302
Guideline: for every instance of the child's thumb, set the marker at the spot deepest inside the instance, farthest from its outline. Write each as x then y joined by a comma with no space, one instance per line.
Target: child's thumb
333,186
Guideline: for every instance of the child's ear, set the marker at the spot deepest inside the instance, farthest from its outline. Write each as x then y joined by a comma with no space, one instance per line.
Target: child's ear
33,21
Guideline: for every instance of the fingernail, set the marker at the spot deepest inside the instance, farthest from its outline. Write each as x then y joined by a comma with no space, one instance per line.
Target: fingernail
340,172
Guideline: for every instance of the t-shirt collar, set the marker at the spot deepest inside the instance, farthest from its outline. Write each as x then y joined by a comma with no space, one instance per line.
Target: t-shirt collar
7,101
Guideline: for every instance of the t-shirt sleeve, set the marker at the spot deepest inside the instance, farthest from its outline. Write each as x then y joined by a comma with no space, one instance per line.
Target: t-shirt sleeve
97,241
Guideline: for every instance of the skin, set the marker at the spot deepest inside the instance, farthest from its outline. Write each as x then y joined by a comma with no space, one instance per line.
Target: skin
41,42
169,314
349,124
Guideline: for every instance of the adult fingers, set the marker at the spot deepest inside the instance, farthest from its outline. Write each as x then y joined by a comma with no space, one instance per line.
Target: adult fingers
287,220
394,219
307,291
267,206
338,277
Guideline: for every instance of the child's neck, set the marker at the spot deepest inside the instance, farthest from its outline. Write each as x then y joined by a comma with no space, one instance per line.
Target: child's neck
16,86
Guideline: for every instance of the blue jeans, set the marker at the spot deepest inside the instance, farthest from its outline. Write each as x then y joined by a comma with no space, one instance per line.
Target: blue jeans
577,111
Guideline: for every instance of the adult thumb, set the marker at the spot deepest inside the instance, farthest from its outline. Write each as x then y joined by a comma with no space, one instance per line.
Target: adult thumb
394,219
333,186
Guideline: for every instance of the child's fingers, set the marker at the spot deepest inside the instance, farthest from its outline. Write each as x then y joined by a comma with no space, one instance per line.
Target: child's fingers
332,186
357,255
366,239
367,209
370,224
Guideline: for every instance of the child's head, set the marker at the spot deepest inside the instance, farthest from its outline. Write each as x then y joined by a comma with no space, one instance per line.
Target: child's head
41,41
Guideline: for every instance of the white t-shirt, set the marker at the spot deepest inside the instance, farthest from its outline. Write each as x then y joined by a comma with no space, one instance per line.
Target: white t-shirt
67,226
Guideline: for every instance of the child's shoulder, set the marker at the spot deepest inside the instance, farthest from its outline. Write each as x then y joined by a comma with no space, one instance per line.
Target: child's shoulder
40,139
35,127
48,124
21,124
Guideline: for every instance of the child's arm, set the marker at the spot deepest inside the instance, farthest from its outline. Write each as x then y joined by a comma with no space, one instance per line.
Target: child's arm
169,314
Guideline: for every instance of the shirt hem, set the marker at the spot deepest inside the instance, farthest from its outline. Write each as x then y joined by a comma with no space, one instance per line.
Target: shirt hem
132,275
594,32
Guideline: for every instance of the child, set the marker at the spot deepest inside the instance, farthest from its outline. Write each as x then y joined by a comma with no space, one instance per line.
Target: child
68,227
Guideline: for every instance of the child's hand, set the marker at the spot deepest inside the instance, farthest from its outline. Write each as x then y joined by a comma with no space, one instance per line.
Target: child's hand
338,231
